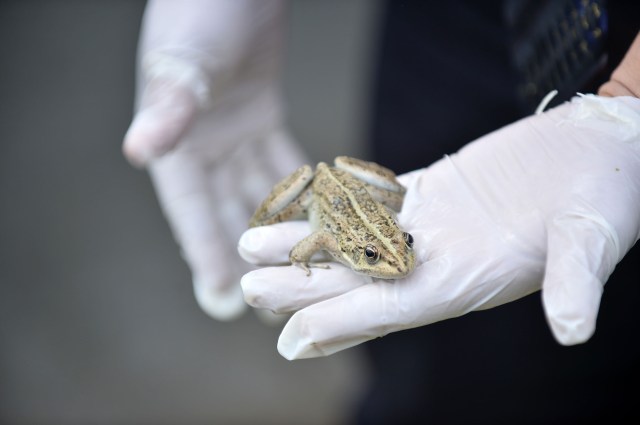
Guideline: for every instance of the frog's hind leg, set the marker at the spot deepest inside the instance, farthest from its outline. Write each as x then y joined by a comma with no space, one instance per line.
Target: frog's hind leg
380,182
370,172
288,200
390,199
302,252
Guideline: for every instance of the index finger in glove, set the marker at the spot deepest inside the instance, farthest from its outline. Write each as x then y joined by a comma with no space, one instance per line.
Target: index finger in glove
287,289
266,245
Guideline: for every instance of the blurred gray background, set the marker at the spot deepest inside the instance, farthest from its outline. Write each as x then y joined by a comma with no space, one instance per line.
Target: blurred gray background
98,324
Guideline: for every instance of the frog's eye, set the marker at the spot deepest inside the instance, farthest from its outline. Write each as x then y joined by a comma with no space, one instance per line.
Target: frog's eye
372,254
408,239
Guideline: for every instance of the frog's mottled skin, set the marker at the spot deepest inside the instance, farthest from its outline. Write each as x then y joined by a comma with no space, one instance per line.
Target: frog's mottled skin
350,216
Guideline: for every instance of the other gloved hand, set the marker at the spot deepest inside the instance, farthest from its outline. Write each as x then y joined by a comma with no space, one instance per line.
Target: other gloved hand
550,202
209,128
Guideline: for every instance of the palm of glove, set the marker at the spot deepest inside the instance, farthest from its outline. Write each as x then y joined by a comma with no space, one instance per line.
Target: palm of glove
549,202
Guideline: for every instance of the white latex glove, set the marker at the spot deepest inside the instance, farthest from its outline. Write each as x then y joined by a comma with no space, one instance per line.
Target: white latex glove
209,128
551,202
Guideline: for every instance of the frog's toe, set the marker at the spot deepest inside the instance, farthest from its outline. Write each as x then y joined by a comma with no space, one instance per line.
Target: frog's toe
320,265
306,266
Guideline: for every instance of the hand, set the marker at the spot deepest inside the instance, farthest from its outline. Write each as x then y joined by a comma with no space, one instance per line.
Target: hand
625,80
209,128
551,202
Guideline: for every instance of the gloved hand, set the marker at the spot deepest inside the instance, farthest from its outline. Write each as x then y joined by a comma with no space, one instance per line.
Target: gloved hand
550,202
209,128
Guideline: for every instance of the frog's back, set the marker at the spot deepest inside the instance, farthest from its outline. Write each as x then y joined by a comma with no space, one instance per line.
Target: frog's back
343,206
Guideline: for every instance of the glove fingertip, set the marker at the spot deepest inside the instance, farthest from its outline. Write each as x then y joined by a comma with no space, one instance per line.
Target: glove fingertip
292,345
251,244
271,244
251,284
309,334
150,136
288,349
572,332
137,157
224,305
158,127
572,316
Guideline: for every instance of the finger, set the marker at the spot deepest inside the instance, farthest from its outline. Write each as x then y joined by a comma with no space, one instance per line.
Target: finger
288,289
220,301
582,253
352,318
438,289
167,112
271,244
226,181
184,194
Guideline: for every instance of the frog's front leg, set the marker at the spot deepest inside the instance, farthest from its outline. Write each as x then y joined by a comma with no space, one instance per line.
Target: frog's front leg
302,252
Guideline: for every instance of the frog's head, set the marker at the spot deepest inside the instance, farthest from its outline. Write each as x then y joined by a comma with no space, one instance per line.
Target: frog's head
387,257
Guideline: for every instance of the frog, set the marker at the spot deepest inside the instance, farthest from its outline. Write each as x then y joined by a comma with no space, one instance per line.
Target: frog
351,207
